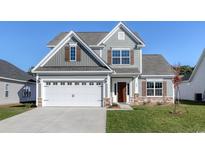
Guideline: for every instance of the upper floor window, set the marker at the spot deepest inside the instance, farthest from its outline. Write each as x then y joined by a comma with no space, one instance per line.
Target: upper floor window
154,88
121,56
73,53
121,35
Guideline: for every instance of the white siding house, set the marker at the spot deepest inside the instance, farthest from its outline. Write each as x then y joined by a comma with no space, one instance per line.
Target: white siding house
15,85
194,88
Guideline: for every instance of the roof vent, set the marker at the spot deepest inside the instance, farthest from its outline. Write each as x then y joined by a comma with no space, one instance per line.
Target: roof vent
121,35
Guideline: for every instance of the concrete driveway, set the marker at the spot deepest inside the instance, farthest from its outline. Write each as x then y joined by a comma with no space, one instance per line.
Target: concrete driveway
57,120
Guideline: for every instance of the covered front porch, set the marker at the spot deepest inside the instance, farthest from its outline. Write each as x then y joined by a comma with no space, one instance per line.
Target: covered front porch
123,89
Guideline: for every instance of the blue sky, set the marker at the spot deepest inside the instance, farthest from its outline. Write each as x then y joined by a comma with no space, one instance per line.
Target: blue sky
24,43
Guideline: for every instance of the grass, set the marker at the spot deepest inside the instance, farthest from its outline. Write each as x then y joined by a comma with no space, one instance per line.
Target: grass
159,119
7,111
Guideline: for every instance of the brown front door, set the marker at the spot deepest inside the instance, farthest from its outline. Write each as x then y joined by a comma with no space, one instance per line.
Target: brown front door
121,91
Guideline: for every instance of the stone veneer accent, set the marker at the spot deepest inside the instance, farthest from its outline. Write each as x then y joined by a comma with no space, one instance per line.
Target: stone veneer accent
106,102
142,100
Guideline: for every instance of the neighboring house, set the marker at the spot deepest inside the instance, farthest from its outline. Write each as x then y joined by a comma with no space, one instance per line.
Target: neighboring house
194,87
15,85
100,68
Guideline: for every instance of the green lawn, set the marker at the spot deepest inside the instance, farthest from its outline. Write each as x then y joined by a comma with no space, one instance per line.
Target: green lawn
145,119
14,109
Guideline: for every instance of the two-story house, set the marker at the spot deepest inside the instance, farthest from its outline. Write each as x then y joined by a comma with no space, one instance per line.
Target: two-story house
100,68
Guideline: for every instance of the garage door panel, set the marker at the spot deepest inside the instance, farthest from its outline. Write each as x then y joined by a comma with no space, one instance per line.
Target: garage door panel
73,95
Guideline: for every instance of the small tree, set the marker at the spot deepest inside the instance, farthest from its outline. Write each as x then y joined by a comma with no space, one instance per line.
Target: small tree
176,81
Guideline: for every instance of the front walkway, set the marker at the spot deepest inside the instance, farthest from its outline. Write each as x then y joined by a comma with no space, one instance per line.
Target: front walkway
57,120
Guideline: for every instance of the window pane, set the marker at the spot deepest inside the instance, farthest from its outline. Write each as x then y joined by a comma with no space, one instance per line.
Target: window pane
6,87
116,53
116,60
158,84
150,84
158,92
150,92
125,60
128,89
72,53
125,53
115,89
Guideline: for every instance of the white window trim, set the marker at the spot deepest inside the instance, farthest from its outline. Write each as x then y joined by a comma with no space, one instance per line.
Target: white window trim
154,81
71,46
122,34
120,49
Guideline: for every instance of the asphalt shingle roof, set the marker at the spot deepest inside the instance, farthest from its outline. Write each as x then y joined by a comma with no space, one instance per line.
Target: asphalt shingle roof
8,70
90,38
71,68
155,64
126,70
152,64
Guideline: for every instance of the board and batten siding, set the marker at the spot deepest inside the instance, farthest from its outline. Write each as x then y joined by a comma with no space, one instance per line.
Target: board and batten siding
86,58
15,90
113,42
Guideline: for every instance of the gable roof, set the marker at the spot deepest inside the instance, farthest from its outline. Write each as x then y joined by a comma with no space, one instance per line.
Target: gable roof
62,43
196,67
156,64
9,71
90,38
135,36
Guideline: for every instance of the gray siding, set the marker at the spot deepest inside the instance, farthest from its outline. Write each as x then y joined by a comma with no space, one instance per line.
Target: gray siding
15,92
169,87
97,52
59,58
113,42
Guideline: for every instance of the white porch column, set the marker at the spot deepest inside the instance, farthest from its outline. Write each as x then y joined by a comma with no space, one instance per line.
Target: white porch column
41,92
37,89
173,93
136,86
108,86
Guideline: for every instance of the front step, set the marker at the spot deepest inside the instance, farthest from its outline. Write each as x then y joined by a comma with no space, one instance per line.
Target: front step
125,106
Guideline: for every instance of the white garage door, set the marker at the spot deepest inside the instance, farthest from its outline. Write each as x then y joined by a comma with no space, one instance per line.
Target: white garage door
72,93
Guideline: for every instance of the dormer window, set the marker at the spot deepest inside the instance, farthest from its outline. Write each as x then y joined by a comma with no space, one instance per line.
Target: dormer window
121,35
